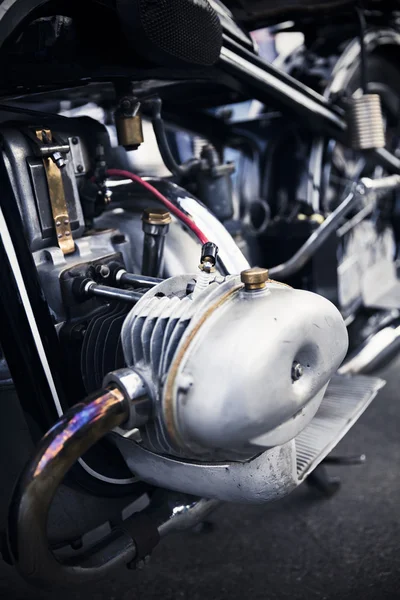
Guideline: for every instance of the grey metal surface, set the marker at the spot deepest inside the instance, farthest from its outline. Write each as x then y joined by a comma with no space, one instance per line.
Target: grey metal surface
380,285
51,262
345,400
79,163
223,384
272,474
366,257
267,477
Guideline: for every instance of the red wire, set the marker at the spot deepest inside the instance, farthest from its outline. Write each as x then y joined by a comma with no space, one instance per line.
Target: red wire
167,203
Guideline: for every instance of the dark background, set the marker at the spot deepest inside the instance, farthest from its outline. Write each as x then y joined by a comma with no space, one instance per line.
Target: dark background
303,547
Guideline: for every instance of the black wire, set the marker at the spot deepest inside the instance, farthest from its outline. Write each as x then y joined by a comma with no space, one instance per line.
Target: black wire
363,53
179,171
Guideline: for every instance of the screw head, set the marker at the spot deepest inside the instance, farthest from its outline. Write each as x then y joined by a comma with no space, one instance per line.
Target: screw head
103,271
79,168
255,278
297,371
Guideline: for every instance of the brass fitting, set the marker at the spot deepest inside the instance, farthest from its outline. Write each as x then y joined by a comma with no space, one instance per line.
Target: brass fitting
129,131
255,278
156,216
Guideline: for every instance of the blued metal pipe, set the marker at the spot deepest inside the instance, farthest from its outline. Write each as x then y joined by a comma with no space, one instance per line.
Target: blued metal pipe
73,434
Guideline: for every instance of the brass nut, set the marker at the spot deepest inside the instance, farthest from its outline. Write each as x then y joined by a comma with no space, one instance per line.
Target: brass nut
129,131
255,278
156,216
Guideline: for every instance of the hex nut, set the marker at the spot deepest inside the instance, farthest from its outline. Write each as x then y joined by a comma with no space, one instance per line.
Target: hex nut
156,216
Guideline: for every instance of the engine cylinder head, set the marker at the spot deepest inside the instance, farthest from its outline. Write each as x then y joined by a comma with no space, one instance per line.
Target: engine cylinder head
365,121
220,364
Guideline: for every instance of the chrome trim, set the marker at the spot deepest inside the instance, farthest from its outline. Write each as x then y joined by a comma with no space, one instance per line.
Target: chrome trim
230,256
384,342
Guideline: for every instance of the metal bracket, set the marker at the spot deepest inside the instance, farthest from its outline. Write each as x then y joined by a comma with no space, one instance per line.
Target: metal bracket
56,192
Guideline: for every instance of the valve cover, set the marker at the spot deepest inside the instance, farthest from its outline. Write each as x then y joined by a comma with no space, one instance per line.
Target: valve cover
231,371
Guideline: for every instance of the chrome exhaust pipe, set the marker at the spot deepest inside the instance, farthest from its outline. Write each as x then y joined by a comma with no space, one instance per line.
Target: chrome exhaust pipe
380,349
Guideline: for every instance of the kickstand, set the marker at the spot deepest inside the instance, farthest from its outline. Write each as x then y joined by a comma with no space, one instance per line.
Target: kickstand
343,461
324,483
320,480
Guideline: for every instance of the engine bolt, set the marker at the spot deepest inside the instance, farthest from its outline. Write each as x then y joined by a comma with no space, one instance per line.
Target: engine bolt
297,371
103,271
255,278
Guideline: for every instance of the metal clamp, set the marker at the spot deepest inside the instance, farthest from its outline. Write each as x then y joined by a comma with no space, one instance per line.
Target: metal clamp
53,161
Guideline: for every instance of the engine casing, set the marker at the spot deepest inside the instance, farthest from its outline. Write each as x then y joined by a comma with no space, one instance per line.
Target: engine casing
219,364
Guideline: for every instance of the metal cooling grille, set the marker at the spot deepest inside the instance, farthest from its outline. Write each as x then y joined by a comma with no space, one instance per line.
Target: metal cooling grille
345,400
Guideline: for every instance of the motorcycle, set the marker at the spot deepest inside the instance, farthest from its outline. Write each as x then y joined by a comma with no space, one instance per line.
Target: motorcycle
149,371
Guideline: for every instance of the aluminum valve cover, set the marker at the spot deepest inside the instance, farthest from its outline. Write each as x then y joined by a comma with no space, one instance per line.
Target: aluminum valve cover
220,365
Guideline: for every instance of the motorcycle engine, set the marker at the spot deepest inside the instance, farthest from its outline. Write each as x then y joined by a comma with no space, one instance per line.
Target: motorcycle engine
234,364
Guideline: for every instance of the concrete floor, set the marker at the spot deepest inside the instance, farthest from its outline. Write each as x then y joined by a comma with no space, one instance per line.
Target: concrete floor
304,547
